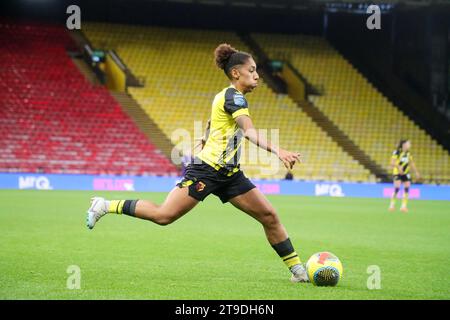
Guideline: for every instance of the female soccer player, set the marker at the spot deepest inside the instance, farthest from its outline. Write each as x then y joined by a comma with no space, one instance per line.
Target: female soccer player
216,167
401,161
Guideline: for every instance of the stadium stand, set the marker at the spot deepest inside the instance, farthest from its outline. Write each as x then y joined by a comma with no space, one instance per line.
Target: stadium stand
355,106
181,81
53,120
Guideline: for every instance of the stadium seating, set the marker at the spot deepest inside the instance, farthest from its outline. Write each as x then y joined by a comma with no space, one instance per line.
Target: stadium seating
353,104
181,81
53,120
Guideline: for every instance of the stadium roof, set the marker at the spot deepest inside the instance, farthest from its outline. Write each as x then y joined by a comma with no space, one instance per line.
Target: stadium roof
305,4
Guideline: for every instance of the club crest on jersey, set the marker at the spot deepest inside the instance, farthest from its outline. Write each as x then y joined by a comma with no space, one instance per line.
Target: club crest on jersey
200,186
239,100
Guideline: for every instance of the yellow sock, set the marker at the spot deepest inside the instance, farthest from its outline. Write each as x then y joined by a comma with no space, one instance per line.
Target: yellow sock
291,259
116,206
393,202
394,197
287,253
405,199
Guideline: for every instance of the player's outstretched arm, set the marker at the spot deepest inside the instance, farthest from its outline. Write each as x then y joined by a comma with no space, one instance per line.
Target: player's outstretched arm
251,133
416,172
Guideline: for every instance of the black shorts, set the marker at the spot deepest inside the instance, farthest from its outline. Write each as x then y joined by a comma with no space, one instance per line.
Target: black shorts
202,180
402,177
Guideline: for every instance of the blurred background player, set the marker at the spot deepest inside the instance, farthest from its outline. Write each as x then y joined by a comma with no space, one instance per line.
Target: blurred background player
216,169
401,162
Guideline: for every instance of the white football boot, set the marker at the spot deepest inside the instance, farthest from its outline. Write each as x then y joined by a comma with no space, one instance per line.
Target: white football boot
98,209
300,275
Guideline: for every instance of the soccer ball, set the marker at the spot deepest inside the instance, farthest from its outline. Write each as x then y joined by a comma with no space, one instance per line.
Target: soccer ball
324,269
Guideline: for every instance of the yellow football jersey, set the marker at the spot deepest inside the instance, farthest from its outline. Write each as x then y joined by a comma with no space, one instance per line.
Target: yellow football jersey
402,159
223,145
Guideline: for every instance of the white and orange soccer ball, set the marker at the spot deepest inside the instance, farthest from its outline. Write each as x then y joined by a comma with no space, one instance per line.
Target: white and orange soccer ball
324,269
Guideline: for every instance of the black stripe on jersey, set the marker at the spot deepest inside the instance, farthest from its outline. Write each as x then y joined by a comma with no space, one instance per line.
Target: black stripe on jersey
232,147
403,165
235,145
234,100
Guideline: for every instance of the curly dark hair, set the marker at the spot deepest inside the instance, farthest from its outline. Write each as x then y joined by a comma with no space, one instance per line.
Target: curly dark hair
226,57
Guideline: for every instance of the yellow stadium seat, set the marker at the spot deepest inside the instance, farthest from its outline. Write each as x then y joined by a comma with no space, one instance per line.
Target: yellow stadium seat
353,104
181,81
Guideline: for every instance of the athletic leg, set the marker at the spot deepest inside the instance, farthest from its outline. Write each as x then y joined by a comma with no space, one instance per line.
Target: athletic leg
397,184
406,186
255,204
177,203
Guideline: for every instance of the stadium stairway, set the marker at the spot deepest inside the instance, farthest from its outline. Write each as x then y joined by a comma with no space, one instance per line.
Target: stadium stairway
276,84
343,140
353,104
374,65
53,120
145,123
133,110
318,116
86,71
180,82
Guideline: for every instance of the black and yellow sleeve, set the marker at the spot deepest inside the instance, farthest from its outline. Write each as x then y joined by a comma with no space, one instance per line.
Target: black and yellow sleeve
235,103
395,155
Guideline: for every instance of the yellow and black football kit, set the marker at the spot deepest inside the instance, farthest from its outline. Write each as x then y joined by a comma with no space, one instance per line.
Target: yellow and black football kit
216,168
402,159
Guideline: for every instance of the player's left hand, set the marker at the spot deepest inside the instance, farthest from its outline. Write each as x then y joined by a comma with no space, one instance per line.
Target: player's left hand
289,158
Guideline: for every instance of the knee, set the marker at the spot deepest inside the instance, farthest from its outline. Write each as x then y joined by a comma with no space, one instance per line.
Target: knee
270,218
164,220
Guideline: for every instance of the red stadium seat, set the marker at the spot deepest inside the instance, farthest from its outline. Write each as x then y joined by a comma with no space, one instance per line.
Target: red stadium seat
53,120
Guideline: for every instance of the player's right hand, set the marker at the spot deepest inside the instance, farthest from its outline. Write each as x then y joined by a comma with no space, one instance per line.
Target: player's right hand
418,177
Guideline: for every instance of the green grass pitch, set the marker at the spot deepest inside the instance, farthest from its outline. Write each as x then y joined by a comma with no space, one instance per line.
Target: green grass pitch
217,252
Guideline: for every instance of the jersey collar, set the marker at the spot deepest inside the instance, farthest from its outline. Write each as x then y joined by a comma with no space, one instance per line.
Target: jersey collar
232,86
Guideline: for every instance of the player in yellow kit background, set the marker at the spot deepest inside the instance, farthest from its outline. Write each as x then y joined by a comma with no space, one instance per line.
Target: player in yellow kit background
401,162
